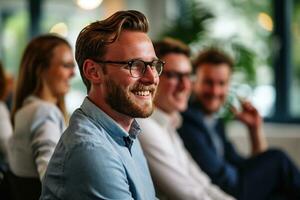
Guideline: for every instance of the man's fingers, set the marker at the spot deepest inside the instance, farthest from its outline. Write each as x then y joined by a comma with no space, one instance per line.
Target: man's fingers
234,110
247,106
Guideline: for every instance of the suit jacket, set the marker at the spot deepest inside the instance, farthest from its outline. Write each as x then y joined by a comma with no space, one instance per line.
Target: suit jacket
223,170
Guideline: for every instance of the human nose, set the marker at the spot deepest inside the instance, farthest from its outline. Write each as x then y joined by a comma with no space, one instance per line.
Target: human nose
150,76
184,82
216,89
72,72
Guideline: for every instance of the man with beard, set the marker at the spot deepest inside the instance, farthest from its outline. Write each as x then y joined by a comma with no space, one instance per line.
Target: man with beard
98,156
268,174
175,174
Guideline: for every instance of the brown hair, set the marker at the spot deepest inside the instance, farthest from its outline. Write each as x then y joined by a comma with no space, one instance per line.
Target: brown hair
213,56
93,40
170,45
36,58
2,82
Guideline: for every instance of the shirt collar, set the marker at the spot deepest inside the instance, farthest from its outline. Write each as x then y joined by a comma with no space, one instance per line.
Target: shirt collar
210,120
134,129
106,122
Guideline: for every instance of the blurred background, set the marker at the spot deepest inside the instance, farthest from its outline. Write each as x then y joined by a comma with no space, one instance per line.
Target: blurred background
263,36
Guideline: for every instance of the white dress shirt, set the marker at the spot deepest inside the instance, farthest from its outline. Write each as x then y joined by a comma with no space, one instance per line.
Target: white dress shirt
174,172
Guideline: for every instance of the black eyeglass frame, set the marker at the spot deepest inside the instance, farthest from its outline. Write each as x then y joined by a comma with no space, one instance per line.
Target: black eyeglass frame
131,62
177,75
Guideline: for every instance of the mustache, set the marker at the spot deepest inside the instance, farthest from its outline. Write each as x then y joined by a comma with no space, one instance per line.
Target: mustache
212,96
139,87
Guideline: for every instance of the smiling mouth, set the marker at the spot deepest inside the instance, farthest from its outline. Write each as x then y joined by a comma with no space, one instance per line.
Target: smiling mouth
142,93
181,94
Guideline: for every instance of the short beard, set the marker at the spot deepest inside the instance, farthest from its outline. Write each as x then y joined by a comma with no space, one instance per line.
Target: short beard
206,110
120,101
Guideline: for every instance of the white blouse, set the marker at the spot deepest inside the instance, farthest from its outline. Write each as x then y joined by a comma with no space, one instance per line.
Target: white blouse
5,128
37,129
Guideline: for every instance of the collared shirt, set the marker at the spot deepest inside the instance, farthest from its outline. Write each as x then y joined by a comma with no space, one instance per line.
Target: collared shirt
93,161
210,123
175,174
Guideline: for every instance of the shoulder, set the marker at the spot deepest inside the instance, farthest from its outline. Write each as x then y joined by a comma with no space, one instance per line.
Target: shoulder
36,113
150,129
82,165
43,108
146,124
44,112
4,112
83,132
82,123
92,158
84,148
191,113
39,109
90,154
5,123
154,138
192,120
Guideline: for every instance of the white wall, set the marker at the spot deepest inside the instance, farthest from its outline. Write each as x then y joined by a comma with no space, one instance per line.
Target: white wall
284,136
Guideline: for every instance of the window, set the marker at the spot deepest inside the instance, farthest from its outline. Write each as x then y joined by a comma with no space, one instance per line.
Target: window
295,67
244,30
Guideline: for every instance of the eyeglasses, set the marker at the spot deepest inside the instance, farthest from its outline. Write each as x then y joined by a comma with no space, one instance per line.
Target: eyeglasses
177,75
138,67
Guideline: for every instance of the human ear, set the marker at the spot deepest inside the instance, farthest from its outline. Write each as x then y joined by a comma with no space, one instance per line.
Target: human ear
91,71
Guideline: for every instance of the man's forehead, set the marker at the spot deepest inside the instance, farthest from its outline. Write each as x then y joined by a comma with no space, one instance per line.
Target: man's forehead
131,45
209,67
129,36
214,72
177,62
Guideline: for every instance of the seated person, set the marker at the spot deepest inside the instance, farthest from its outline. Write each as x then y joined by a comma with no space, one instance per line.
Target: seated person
39,112
267,174
174,173
98,156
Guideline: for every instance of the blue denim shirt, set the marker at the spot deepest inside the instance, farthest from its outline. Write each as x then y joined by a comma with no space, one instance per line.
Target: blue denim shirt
93,161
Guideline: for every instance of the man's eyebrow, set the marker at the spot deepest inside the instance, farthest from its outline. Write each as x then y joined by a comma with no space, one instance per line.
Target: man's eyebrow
139,58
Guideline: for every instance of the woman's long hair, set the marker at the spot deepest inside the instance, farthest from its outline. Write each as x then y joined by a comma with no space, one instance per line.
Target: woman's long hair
36,59
2,82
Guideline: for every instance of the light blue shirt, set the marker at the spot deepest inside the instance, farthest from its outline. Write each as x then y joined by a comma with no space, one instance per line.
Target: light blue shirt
210,123
93,161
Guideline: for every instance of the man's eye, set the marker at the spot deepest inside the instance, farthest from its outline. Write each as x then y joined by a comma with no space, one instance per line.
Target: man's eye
127,67
138,64
69,65
173,75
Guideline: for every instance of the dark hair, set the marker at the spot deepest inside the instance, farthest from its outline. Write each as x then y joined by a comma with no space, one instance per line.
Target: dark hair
212,56
93,40
2,82
170,45
36,58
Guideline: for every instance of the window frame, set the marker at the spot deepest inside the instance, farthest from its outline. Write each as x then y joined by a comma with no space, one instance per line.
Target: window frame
283,75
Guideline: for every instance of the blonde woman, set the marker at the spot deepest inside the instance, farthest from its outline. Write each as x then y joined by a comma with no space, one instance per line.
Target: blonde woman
39,112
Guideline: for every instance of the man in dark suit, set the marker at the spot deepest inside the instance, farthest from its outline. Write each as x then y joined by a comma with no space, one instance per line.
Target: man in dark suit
267,174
